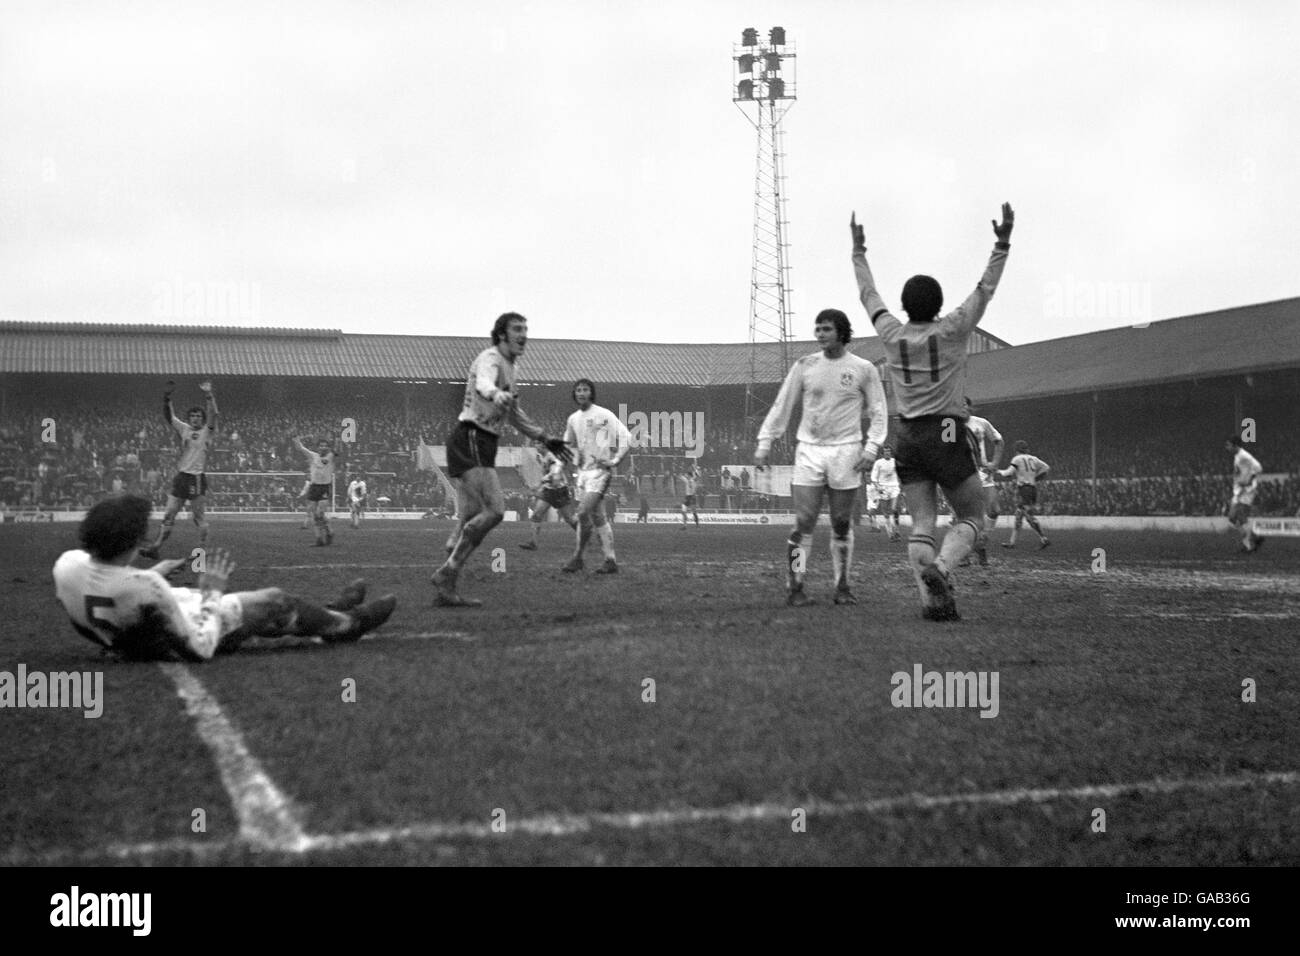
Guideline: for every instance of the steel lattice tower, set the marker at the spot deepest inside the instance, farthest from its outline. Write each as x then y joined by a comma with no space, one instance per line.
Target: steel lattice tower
763,89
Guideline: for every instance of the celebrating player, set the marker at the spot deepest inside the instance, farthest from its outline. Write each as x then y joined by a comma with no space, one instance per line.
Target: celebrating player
884,480
357,499
927,364
985,434
190,484
320,475
551,492
471,452
136,614
835,388
690,481
1246,471
600,442
1027,470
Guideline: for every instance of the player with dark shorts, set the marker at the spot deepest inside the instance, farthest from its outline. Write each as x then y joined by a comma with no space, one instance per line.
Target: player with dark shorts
190,486
553,492
934,448
490,402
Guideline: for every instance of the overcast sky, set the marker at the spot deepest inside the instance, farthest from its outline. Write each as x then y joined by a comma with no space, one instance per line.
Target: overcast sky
420,167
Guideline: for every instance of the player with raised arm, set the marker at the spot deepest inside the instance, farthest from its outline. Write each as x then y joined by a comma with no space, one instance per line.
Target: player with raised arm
835,389
357,499
884,479
1245,482
320,475
191,483
490,402
986,436
551,492
1027,470
927,364
690,481
600,441
135,614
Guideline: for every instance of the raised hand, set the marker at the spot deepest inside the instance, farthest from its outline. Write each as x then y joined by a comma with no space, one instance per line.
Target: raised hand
859,237
1003,230
217,571
171,387
205,387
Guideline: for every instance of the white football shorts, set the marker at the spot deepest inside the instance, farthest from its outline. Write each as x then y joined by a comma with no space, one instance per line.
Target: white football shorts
987,478
832,465
872,496
1244,494
593,481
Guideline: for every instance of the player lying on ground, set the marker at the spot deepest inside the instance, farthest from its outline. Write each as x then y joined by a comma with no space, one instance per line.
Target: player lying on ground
320,476
927,364
490,402
835,389
551,492
985,434
357,499
191,483
1245,482
600,441
136,614
1028,470
885,490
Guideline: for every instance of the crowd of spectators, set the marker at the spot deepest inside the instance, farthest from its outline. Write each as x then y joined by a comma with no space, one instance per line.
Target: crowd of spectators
72,457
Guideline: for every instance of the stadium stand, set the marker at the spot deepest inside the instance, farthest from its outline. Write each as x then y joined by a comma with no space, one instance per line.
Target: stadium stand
1132,419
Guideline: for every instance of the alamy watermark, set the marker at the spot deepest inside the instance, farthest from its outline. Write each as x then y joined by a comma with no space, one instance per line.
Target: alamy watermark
1088,299
218,301
923,688
665,429
75,689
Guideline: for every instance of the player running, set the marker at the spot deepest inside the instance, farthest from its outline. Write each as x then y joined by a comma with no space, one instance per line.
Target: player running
191,483
551,492
1245,482
985,435
600,442
135,614
690,481
490,402
357,499
1027,470
884,481
320,476
927,364
834,388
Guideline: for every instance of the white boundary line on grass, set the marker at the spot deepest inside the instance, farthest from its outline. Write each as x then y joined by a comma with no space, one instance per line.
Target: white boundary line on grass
562,825
266,818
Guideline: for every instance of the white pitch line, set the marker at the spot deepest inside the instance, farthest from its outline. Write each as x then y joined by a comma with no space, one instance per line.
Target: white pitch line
431,565
266,817
570,824
562,825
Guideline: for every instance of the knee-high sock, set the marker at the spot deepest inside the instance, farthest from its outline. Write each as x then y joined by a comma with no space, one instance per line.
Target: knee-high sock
583,535
920,552
537,527
165,532
471,534
957,543
1033,523
605,535
842,558
311,619
798,552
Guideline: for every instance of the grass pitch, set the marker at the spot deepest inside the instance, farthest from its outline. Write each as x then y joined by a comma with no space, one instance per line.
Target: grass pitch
522,732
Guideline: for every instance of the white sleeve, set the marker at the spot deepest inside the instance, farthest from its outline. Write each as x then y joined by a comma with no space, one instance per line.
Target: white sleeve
877,409
778,416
